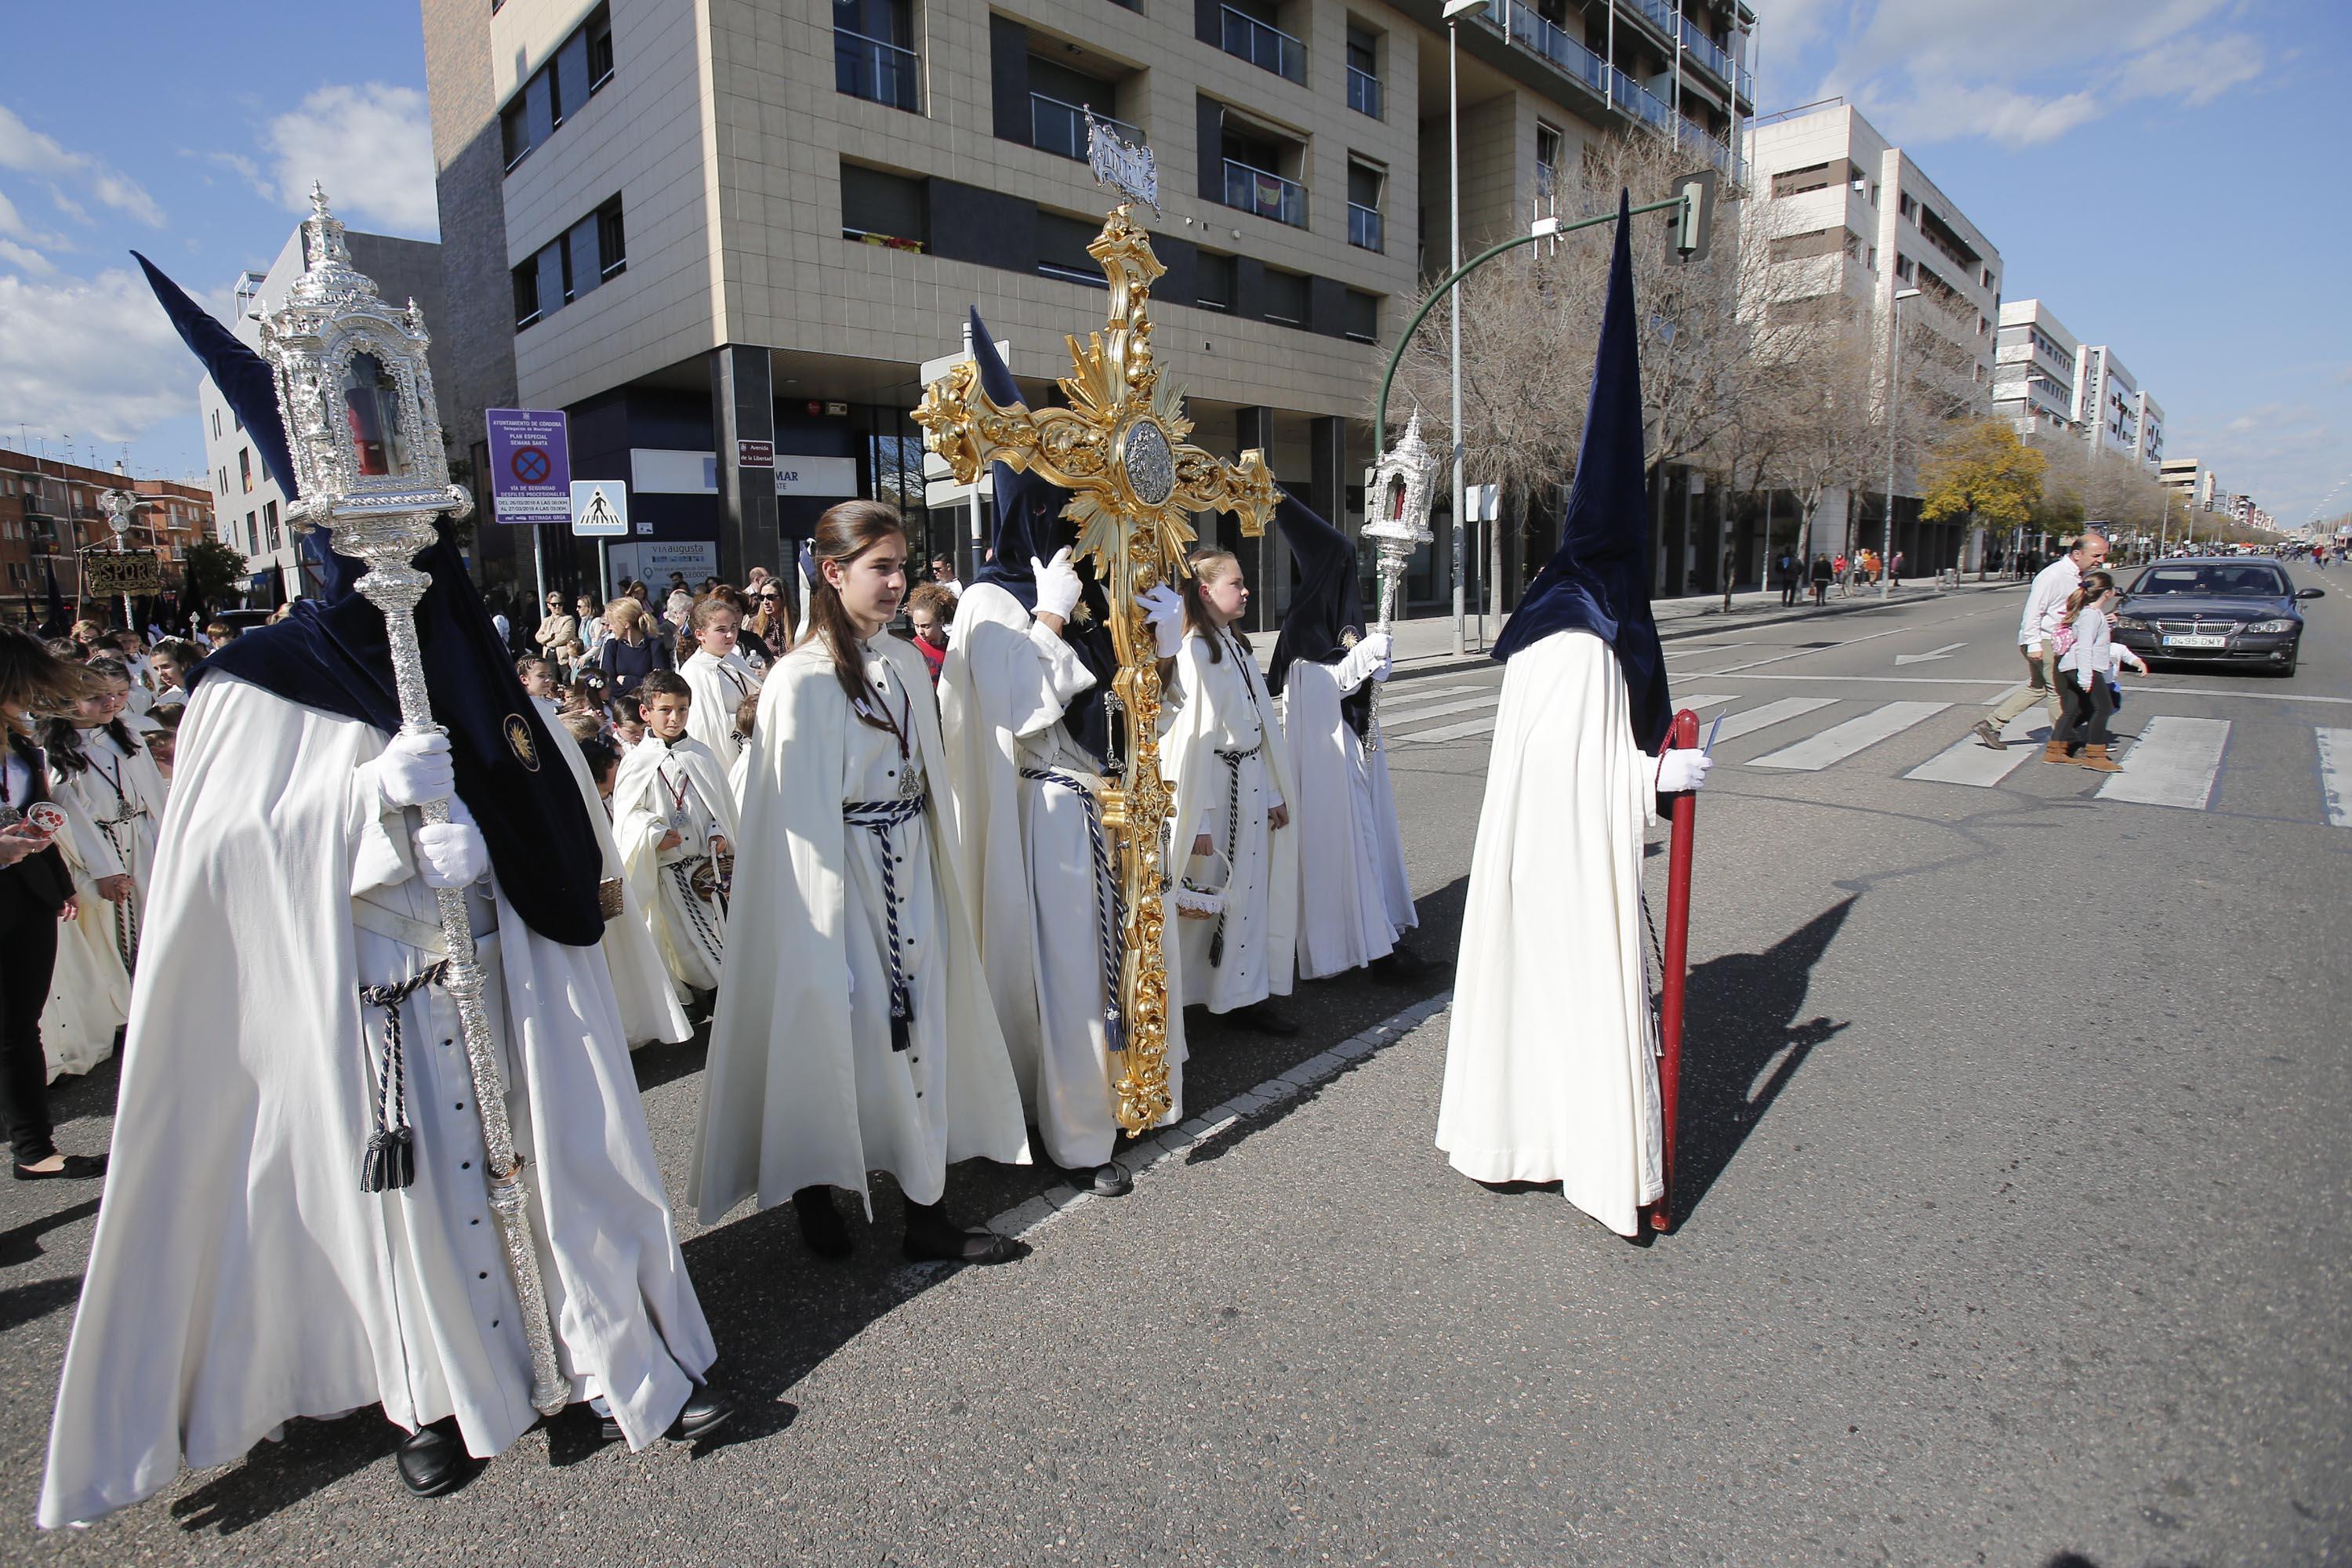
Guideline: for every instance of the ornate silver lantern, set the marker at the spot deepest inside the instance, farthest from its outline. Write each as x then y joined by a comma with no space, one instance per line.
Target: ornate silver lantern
119,506
1396,511
357,398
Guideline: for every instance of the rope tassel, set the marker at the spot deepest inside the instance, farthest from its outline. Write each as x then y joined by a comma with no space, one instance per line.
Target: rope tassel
389,1162
878,818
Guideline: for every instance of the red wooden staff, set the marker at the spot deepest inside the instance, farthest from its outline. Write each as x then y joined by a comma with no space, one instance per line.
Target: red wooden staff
1681,811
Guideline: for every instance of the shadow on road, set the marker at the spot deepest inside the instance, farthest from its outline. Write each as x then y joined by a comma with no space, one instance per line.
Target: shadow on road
1740,1018
22,1244
275,1475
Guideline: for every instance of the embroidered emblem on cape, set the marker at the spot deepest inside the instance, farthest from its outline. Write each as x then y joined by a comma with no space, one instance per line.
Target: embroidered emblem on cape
519,742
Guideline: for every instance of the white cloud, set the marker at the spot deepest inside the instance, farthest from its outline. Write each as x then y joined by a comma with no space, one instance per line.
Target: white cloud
27,258
95,356
30,152
370,146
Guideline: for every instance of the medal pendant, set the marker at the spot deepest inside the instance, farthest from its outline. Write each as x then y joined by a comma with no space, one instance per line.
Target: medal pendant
910,784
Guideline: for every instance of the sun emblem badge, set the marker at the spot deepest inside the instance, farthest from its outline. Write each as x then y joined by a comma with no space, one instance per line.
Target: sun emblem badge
519,742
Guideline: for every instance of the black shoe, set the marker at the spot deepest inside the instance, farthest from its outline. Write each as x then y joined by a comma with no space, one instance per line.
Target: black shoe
76,1168
820,1224
1265,1018
1400,963
932,1237
432,1459
1107,1180
706,1411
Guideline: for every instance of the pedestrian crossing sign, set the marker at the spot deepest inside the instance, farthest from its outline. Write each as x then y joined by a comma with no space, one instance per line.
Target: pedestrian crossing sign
600,509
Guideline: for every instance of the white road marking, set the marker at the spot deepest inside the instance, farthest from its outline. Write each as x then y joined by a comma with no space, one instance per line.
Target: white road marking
2173,763
2335,775
1946,651
1446,732
1839,742
1754,719
1695,703
1802,652
1966,762
1437,709
1399,697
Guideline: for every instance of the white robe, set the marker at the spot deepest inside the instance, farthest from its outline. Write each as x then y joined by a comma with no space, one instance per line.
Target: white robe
641,986
680,788
1003,688
90,988
719,686
802,1087
239,1276
1551,1070
1354,898
1221,705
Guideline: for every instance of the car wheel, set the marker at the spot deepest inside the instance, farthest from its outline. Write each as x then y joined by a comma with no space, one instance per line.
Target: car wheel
2294,656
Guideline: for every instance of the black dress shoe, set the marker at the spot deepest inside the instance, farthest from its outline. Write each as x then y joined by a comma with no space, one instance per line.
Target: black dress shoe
1265,1018
432,1459
820,1224
76,1168
1107,1180
706,1411
932,1237
1401,963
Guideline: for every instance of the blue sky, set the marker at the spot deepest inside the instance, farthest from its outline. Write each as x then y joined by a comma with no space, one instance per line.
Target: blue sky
2167,173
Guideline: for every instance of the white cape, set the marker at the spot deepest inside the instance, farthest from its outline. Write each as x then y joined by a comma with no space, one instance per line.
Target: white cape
782,1108
239,1276
1003,688
719,686
1551,1070
1353,895
640,818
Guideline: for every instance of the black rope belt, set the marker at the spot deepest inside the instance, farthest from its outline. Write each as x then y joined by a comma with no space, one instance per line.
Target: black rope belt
390,1162
126,910
878,818
682,873
1232,761
1107,902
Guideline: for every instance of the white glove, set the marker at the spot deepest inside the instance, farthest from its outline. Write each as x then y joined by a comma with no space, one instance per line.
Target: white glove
1683,769
413,769
1163,607
1057,585
1368,661
452,854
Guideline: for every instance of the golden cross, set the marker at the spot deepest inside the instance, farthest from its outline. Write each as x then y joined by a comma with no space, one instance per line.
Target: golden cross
1120,449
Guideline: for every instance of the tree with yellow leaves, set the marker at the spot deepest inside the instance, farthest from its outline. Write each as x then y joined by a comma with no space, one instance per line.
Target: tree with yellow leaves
1978,468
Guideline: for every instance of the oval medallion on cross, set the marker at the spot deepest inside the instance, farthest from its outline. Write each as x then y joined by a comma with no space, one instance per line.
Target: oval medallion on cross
1150,462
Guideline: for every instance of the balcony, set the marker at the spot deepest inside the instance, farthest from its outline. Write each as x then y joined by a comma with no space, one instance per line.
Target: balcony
875,70
1363,92
1363,226
1534,33
1266,48
1254,190
1060,128
1641,103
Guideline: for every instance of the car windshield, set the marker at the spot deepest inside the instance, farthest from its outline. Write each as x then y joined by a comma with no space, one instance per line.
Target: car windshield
2249,581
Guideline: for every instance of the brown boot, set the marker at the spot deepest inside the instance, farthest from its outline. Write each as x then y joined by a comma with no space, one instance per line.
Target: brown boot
2095,758
2055,752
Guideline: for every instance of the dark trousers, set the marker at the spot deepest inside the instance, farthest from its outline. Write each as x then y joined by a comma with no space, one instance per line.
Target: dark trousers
28,957
1788,590
2084,722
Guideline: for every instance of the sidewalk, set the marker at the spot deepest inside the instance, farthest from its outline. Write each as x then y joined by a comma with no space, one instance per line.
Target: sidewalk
1424,644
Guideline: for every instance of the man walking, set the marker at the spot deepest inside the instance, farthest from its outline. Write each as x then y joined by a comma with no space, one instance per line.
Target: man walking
1786,569
2037,635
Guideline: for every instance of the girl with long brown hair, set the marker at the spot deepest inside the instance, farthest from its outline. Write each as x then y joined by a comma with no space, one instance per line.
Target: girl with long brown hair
35,894
1232,793
108,783
863,1039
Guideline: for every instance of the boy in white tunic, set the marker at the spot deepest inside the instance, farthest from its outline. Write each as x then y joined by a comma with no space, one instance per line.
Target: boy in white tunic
1223,755
1551,1070
674,819
1355,903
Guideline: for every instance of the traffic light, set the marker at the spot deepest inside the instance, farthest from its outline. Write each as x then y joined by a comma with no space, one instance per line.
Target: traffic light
1695,225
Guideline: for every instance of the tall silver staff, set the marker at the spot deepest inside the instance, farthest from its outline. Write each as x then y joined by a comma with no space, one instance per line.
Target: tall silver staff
357,397
1396,520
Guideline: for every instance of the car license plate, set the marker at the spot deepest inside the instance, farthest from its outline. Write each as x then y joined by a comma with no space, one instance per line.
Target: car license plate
2196,642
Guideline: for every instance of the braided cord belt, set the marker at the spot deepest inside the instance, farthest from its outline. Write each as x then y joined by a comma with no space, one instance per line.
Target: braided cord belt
682,873
1232,761
878,818
126,910
390,1160
1106,909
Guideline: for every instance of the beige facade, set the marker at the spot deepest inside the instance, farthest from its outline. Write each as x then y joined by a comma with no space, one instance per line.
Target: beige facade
727,221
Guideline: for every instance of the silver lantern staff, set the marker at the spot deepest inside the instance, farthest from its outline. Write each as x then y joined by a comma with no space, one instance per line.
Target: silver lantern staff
1396,505
357,397
118,505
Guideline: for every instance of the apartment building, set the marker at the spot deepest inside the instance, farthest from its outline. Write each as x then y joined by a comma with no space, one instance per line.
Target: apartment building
2034,366
2149,448
2184,477
1850,220
725,236
2107,401
250,508
50,513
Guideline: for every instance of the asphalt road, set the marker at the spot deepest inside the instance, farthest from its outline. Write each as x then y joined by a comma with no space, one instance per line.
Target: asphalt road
2013,1219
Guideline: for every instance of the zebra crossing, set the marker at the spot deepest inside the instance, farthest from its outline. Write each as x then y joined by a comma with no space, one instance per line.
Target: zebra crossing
2174,762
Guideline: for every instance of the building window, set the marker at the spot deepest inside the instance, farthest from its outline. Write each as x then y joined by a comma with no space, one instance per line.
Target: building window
1797,181
1253,178
269,523
252,535
873,52
1059,101
1365,184
1212,281
1362,323
1247,32
1363,70
892,210
1062,249
1285,297
560,88
245,469
1548,150
591,252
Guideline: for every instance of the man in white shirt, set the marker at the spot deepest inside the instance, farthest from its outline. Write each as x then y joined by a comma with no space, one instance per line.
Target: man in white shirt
2037,631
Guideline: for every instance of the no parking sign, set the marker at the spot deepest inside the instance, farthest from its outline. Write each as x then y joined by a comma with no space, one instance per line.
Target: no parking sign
530,465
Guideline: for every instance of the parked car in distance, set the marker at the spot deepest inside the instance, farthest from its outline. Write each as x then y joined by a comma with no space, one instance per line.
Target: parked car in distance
2221,609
